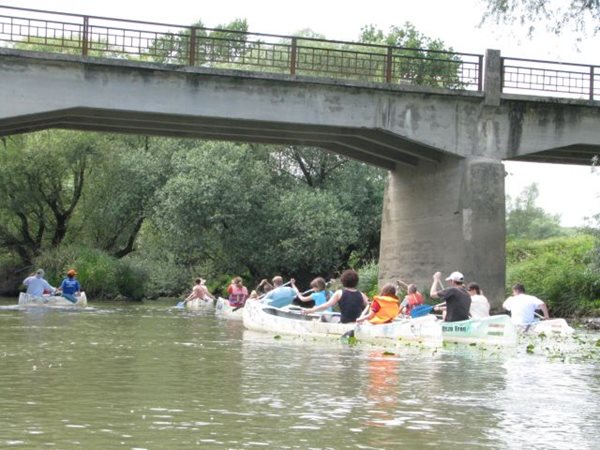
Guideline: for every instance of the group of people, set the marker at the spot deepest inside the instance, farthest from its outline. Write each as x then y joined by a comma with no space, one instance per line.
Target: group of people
38,286
459,302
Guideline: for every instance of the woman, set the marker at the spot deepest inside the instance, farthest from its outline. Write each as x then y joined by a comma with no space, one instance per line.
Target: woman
70,287
480,307
319,295
238,293
350,300
385,306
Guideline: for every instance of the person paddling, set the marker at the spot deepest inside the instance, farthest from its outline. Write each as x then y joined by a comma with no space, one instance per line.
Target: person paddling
457,300
413,298
70,287
522,306
36,284
319,294
384,308
351,301
199,292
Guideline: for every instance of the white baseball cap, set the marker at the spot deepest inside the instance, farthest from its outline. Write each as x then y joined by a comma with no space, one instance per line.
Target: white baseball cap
456,276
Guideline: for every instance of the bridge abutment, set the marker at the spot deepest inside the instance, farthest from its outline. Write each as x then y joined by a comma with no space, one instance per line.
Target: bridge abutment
447,216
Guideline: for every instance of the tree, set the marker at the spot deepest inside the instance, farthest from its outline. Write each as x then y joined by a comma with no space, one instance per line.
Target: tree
42,177
525,220
417,58
580,15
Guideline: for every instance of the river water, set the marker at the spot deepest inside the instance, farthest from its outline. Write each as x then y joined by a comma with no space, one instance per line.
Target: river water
151,376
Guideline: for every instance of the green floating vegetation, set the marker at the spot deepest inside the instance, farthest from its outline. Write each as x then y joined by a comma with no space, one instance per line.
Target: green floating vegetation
277,336
386,353
530,348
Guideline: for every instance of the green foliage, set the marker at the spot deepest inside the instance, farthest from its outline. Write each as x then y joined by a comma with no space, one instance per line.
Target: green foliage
101,275
368,279
418,59
525,220
555,15
558,271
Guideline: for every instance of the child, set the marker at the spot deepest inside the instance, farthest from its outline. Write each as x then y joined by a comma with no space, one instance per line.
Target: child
385,306
412,299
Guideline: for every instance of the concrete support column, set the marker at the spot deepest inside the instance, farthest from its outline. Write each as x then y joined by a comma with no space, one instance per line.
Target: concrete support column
447,216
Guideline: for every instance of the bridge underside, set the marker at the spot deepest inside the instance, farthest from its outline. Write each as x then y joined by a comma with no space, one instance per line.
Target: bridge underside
578,154
376,147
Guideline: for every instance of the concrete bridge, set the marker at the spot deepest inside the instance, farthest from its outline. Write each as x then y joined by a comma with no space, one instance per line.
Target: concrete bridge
444,206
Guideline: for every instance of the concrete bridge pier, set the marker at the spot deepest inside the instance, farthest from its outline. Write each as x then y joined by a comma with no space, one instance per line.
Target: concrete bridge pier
446,216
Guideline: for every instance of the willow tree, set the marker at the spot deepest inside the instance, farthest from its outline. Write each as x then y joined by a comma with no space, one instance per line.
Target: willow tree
580,15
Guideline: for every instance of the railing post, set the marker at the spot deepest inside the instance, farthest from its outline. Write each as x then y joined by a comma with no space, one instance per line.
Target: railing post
388,65
293,56
480,74
592,83
192,55
492,87
85,36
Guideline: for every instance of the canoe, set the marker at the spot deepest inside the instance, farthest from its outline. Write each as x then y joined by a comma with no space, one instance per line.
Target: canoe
50,300
290,320
551,327
225,310
198,304
426,328
493,330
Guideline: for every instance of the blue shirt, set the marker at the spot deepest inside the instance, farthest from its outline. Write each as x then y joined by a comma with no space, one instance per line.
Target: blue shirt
70,286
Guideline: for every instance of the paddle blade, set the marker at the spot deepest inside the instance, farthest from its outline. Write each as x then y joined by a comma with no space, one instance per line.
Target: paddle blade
421,310
181,304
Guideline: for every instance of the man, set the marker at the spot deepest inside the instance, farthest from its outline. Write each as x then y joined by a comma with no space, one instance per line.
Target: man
457,300
200,291
522,307
36,284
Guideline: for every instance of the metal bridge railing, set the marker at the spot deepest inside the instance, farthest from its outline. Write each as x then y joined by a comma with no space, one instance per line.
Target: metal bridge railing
549,77
55,32
50,31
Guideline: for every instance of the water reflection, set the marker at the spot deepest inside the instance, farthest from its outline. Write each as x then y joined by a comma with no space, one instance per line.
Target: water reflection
152,376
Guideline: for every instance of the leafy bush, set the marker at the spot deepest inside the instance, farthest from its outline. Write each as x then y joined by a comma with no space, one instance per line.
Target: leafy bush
100,274
557,270
368,278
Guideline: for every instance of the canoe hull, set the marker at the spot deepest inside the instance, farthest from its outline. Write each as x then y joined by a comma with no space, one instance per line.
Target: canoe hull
51,300
199,304
551,327
225,310
258,317
420,329
493,330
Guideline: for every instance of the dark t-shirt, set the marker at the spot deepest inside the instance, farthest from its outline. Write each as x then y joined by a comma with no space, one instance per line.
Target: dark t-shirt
458,303
351,305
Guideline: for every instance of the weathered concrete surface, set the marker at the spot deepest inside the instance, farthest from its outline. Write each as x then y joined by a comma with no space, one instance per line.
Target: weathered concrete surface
382,125
445,217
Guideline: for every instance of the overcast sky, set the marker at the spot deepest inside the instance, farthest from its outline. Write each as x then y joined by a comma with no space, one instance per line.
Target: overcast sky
571,191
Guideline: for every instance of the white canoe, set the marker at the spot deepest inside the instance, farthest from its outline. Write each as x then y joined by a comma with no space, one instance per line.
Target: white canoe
426,328
198,304
259,317
493,330
224,309
50,300
551,327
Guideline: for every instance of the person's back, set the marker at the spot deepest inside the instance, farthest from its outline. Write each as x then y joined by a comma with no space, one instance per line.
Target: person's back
522,308
351,305
36,284
385,306
480,306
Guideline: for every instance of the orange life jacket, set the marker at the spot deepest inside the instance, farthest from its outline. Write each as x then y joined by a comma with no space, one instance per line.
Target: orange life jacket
389,309
413,300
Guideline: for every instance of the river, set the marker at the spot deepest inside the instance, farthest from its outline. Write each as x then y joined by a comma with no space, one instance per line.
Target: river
151,376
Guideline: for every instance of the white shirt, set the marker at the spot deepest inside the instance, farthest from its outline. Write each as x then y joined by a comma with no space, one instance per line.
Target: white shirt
522,308
36,285
480,307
